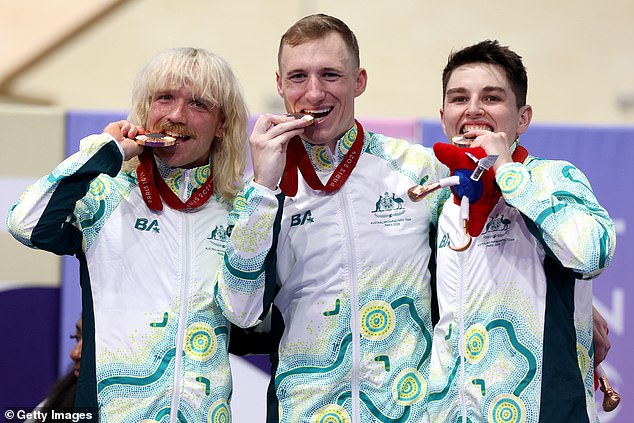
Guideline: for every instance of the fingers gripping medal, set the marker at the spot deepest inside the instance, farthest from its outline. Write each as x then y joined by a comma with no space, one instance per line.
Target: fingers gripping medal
155,140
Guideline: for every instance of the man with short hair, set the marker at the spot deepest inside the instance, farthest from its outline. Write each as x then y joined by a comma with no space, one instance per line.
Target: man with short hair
336,246
514,339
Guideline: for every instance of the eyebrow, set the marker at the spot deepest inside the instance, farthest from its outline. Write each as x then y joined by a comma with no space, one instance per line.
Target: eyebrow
320,70
487,89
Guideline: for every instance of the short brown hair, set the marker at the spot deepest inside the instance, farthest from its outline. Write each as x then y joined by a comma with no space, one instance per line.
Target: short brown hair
492,53
313,27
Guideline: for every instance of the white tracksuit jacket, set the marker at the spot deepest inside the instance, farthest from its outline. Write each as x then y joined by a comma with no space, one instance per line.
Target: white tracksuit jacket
154,341
348,272
514,340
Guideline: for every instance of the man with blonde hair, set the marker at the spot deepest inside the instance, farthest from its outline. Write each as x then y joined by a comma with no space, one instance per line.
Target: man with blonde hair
149,236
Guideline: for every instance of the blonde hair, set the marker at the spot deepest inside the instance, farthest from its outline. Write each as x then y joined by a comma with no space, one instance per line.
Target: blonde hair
212,80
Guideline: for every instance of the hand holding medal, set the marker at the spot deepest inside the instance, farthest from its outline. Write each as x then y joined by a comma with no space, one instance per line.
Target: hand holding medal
269,141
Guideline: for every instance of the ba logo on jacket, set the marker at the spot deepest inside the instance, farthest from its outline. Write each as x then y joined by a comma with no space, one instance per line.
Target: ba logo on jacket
302,218
143,224
445,241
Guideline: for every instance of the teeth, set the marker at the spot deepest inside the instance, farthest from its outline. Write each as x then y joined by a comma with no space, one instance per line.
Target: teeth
468,128
175,135
318,113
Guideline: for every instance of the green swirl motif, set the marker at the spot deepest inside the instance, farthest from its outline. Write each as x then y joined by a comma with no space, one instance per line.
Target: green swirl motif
409,387
219,412
511,180
320,157
348,139
175,182
507,408
200,341
477,343
331,413
240,202
377,320
200,175
100,187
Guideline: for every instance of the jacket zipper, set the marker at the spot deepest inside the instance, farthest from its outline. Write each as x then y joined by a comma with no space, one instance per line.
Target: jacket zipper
354,294
184,294
354,307
461,341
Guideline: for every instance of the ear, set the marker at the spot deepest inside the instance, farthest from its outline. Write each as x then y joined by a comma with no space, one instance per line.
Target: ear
220,131
526,114
361,82
278,82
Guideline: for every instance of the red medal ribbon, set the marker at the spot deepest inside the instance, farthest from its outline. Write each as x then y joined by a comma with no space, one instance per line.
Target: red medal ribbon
153,187
520,154
297,157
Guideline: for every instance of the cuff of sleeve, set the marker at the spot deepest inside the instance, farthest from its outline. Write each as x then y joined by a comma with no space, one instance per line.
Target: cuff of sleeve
93,143
264,189
120,148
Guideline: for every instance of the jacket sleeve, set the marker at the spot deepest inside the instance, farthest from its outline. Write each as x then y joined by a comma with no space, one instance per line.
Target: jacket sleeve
49,215
246,280
558,203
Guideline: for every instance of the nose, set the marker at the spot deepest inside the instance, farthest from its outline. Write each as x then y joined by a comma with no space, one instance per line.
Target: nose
178,112
474,107
314,90
75,353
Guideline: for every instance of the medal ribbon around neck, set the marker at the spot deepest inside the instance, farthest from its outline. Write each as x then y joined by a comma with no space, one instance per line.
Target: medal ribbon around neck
153,187
297,157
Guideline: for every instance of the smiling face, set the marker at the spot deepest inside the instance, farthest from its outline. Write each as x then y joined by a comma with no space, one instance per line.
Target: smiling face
479,96
192,121
320,78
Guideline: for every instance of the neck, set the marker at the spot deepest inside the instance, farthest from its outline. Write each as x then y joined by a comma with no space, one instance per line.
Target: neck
332,144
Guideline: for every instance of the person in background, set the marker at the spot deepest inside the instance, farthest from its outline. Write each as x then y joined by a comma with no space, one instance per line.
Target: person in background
144,207
61,396
336,246
600,336
515,335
